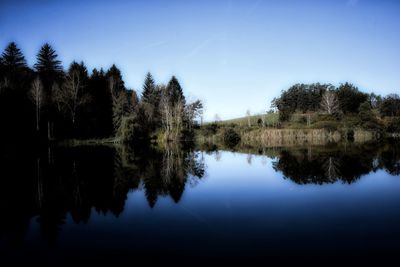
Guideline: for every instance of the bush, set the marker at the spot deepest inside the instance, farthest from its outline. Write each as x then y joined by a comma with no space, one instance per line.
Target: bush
131,130
231,137
331,126
327,117
210,129
394,126
371,125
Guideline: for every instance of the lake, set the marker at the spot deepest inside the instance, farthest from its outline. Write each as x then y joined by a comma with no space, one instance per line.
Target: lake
193,206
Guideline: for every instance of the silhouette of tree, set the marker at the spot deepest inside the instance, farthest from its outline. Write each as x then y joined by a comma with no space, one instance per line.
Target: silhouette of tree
50,72
98,117
12,58
175,92
47,61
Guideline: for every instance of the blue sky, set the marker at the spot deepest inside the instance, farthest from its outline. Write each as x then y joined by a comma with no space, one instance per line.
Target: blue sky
234,55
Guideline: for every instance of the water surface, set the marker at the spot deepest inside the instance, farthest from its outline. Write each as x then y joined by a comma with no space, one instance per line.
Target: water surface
89,205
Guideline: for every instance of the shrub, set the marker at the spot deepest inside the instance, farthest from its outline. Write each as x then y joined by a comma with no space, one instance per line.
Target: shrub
231,137
131,130
210,129
327,125
371,125
327,117
394,125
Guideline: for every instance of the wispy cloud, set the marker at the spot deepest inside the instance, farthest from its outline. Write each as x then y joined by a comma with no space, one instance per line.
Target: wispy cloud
204,44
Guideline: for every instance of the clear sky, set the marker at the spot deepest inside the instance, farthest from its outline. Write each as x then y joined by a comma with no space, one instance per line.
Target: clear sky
234,55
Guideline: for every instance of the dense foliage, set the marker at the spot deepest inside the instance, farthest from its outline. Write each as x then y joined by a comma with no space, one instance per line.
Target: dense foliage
47,103
308,102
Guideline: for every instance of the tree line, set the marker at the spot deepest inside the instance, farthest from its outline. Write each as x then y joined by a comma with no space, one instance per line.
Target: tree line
48,103
340,101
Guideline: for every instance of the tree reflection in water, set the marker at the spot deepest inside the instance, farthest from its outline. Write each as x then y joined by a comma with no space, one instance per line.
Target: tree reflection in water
50,184
77,180
331,164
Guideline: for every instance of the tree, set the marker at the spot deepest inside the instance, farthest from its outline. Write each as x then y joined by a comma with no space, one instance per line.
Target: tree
12,58
390,105
115,75
193,111
47,61
36,94
365,112
300,98
71,95
248,114
350,98
120,109
14,72
120,103
50,72
175,92
149,88
150,101
133,100
375,100
329,102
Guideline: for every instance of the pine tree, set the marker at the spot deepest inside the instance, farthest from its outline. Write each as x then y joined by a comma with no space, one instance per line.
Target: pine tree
149,88
47,60
99,118
12,58
114,76
50,72
175,92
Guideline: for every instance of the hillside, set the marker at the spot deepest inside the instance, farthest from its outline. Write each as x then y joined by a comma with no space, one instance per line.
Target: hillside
268,119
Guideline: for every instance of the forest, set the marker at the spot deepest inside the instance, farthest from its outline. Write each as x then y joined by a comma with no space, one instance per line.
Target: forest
47,103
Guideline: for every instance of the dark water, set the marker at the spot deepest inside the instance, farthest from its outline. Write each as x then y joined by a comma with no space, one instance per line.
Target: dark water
105,205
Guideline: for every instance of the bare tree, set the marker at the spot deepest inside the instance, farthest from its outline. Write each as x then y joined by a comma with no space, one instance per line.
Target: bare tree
70,97
193,111
120,103
331,167
166,114
329,102
37,97
248,114
263,118
217,118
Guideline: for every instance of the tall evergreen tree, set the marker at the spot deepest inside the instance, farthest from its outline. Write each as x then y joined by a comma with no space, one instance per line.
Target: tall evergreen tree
47,60
114,75
15,107
12,58
99,113
50,72
149,88
175,92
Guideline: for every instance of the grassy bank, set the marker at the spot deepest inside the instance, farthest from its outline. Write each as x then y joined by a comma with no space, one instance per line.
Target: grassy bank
301,129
